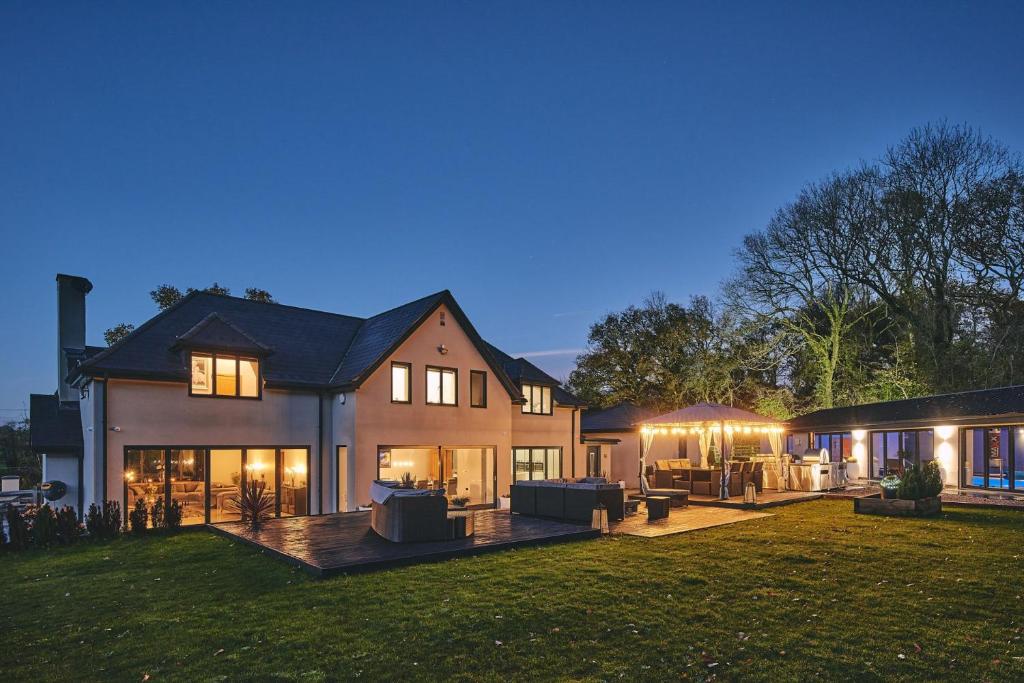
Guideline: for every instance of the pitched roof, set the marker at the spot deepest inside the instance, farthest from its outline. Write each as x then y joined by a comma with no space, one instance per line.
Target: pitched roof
618,418
1004,401
709,412
522,370
305,348
54,426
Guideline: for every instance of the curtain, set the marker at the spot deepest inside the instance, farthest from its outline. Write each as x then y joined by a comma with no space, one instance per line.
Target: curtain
704,442
775,442
646,440
726,452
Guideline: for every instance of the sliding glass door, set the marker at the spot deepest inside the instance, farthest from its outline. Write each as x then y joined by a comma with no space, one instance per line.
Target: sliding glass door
205,482
892,451
992,458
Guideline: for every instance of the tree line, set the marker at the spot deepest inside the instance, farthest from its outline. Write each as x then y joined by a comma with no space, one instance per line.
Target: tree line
897,278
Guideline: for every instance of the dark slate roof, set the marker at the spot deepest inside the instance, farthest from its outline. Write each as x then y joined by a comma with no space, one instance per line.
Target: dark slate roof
619,418
308,345
522,370
983,403
215,333
304,348
54,426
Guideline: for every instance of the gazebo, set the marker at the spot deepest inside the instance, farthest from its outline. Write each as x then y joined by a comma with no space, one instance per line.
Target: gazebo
711,423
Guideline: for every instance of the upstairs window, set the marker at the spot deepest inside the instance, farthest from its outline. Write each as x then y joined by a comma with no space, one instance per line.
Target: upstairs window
401,383
224,375
538,399
478,388
442,386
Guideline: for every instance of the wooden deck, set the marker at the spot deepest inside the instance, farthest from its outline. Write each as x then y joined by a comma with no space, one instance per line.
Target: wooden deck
339,543
680,520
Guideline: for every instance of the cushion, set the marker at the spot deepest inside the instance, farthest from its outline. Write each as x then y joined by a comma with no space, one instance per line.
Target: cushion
661,465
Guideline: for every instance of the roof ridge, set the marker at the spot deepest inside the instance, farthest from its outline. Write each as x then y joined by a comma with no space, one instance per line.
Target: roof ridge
914,398
272,303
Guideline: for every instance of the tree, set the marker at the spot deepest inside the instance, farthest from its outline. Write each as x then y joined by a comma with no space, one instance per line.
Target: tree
117,333
665,355
256,294
16,455
165,296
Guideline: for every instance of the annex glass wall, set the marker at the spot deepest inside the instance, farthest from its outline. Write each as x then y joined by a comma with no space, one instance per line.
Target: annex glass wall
993,458
839,445
891,451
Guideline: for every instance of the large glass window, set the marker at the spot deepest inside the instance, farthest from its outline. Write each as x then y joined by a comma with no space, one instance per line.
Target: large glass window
144,471
478,388
422,465
188,484
892,451
442,386
537,399
537,463
469,473
401,383
225,484
838,444
993,458
294,487
224,375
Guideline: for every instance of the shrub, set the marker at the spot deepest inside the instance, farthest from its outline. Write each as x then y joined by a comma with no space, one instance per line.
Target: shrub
173,519
254,503
156,513
139,517
69,529
17,529
44,527
932,479
911,484
104,522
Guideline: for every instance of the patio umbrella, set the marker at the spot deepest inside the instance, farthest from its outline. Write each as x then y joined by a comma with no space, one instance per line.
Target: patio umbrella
708,420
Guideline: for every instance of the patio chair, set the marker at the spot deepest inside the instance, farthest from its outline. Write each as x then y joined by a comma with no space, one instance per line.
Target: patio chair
706,482
757,476
677,497
736,478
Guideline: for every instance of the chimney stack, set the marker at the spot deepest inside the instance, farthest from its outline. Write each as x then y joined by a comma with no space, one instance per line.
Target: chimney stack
71,291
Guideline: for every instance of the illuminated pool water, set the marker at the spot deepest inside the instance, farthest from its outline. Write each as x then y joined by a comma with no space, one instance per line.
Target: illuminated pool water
995,483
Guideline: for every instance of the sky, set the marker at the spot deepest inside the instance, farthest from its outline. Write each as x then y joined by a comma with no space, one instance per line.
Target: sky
547,162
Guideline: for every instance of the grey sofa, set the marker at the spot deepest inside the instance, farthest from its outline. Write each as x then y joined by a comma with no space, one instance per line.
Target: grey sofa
572,501
409,518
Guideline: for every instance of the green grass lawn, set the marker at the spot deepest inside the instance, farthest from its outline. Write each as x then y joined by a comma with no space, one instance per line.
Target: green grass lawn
812,591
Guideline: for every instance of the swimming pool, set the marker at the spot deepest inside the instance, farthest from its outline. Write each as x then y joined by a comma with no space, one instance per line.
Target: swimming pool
999,483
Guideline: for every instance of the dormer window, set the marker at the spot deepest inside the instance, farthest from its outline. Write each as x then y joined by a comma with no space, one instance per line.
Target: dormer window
537,399
224,375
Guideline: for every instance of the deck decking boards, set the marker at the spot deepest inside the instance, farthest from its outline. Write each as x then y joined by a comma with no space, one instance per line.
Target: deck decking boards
343,542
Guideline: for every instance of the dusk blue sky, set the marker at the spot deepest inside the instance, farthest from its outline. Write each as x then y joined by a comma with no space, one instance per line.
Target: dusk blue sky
548,163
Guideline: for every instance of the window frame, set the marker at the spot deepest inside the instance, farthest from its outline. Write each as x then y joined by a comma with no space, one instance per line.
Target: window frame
527,407
426,385
408,381
544,459
238,358
483,393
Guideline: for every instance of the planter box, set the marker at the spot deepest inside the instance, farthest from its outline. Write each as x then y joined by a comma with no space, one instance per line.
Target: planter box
876,505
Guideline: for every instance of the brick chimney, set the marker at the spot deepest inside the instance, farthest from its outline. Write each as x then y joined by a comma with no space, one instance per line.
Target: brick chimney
71,291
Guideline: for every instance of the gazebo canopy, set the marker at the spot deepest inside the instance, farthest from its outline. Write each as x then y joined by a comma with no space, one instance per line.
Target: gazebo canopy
712,415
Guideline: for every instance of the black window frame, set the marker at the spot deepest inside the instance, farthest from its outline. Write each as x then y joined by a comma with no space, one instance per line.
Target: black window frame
238,358
483,389
544,460
885,447
843,454
426,385
408,381
527,407
204,452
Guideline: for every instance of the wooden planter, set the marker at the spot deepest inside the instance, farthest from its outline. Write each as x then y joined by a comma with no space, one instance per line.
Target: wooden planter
876,505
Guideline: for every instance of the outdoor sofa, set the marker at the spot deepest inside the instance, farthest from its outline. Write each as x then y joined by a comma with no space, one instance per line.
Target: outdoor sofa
569,500
407,515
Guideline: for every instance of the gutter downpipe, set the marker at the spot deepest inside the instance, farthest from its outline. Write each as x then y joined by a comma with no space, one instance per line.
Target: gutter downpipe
572,440
320,454
103,487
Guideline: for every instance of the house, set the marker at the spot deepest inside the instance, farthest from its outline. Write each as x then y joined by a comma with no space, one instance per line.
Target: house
976,437
216,391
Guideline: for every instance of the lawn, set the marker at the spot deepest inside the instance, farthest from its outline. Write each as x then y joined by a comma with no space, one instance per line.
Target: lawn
812,591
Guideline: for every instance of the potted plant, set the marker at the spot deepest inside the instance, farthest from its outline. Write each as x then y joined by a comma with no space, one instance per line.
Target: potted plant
914,492
460,501
407,481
